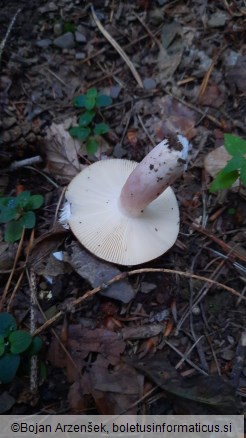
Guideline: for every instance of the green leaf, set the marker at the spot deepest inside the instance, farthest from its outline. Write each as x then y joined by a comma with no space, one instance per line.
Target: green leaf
80,133
9,364
101,128
27,220
36,201
92,93
2,345
90,98
19,340
23,199
102,100
235,163
224,180
9,202
90,102
13,231
91,145
79,101
7,324
243,173
86,118
7,214
234,145
35,346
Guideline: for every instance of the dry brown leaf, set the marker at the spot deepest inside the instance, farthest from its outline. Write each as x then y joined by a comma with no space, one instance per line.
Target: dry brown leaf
114,390
176,117
213,96
216,160
62,153
171,51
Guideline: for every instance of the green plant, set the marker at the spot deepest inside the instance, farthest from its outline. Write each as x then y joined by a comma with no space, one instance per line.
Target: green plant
14,344
17,213
87,129
235,167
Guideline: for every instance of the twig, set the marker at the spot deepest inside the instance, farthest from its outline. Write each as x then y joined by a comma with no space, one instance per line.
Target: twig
185,358
203,292
123,275
44,175
114,43
27,162
3,43
145,130
33,317
206,78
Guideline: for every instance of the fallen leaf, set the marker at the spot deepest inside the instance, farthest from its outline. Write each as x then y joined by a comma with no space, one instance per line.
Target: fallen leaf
83,341
235,77
176,117
62,153
216,160
212,393
114,390
170,52
41,255
98,273
213,96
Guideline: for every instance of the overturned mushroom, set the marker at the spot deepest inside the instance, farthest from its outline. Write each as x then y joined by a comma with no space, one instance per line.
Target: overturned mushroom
125,212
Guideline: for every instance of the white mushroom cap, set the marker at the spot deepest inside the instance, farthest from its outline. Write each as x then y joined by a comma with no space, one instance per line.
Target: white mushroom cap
104,228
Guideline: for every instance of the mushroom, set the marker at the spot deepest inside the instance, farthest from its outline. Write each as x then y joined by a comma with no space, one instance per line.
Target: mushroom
126,212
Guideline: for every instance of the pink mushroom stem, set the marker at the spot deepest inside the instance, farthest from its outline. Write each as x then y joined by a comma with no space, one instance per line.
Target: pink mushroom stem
158,170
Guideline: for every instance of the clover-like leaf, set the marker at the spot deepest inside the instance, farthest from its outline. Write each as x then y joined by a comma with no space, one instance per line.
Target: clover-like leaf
86,118
35,346
101,128
23,198
79,101
9,364
27,220
234,145
7,214
91,145
224,180
103,100
19,341
13,231
36,201
79,132
7,324
90,98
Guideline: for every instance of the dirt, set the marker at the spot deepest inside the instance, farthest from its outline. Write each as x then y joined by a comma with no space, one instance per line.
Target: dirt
186,74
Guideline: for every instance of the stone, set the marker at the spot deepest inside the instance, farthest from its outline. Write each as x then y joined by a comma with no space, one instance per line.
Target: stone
79,56
149,83
46,42
58,29
65,41
79,37
218,19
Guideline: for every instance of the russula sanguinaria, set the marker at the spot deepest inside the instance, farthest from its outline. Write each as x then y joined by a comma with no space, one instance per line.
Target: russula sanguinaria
126,212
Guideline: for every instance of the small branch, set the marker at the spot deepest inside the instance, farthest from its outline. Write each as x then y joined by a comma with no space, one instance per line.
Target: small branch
117,48
123,275
27,162
3,43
